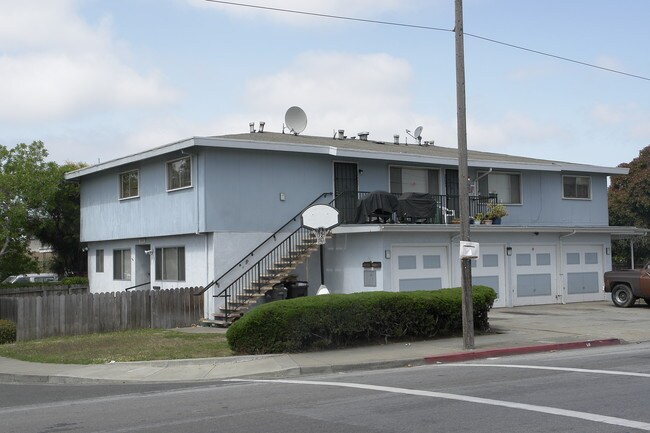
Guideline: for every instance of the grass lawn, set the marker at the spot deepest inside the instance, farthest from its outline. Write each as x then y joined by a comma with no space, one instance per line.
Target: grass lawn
134,345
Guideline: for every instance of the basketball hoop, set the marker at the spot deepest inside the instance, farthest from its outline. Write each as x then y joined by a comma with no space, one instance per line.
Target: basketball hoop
320,219
320,233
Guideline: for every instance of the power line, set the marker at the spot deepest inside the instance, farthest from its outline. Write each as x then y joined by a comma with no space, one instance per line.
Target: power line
440,29
566,59
338,17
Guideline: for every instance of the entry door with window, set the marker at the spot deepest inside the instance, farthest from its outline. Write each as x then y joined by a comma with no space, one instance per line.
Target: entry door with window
346,190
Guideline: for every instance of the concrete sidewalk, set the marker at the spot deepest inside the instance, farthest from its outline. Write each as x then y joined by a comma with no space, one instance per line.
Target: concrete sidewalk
515,331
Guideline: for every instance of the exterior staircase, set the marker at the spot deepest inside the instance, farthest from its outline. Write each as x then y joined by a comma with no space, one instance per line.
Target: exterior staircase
245,284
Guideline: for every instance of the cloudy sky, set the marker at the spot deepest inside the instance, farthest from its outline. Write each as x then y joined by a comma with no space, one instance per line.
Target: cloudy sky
97,79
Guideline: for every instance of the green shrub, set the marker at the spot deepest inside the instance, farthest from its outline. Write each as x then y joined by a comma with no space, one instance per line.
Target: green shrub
74,280
7,331
332,321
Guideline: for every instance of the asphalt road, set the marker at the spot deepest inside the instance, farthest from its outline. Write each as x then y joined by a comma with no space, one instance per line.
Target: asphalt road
596,390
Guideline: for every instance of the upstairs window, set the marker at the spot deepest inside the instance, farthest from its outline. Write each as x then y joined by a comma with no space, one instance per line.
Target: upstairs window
409,179
507,186
170,264
122,264
576,187
129,184
179,173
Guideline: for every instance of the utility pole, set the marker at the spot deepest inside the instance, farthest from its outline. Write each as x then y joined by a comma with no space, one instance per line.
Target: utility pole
463,182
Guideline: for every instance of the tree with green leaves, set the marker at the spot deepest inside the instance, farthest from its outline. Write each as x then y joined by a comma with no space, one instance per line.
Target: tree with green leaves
27,181
58,224
629,205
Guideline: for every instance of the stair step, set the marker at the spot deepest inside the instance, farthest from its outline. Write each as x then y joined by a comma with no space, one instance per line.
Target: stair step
221,319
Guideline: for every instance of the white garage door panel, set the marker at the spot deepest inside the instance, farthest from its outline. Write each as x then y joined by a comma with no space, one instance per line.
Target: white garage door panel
419,268
583,269
534,274
489,270
411,284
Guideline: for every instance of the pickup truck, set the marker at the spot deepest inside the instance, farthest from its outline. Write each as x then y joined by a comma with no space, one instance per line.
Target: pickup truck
628,286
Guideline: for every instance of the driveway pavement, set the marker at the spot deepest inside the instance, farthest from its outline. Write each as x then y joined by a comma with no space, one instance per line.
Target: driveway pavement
514,331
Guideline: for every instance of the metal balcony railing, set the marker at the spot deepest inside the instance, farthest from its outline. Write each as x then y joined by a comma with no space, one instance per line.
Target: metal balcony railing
446,209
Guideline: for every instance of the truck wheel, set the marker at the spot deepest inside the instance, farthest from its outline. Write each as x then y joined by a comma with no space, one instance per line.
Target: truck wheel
622,296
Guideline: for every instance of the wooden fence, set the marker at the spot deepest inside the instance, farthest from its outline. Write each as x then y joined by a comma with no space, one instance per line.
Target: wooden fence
85,313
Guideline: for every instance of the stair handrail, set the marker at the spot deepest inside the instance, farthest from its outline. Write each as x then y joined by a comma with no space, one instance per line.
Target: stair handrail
226,291
215,282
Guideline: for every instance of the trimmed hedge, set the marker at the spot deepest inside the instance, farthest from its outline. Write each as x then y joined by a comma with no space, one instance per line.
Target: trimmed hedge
7,331
334,321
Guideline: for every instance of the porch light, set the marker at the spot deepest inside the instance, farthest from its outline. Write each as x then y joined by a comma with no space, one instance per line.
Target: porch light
508,251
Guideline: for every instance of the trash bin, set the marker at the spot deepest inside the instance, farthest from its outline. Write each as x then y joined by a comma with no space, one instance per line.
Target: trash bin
296,289
277,293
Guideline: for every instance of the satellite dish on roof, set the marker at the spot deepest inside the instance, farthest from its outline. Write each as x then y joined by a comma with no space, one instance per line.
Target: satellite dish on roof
296,120
417,134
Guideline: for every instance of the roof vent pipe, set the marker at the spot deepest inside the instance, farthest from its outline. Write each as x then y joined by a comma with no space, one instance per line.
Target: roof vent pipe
363,135
261,127
341,134
251,127
396,139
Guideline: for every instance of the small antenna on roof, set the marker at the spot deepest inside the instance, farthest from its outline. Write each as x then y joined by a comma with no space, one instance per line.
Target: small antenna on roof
296,120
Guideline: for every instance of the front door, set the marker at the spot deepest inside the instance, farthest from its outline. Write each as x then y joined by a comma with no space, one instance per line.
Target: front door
346,190
143,267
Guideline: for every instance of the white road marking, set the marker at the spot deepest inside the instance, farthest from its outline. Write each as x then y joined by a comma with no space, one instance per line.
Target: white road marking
541,367
521,406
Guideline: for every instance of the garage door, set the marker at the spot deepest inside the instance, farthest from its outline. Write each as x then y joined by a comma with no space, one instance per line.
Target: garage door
489,270
583,272
534,275
419,268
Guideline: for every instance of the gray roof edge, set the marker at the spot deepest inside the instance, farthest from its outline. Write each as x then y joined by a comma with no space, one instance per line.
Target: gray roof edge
476,158
129,159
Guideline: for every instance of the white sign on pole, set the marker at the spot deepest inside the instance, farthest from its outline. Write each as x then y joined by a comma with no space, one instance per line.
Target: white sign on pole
469,250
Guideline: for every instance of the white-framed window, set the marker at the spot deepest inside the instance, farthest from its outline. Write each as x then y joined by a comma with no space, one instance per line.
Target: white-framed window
122,264
413,179
129,184
507,186
170,264
99,261
576,187
179,173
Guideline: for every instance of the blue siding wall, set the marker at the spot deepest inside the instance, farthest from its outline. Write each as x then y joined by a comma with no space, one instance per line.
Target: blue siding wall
543,203
238,190
244,187
155,212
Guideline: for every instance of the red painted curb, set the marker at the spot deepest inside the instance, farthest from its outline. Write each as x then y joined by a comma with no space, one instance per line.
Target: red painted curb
508,351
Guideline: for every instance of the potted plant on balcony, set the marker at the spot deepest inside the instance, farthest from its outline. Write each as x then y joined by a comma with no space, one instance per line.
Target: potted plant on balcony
495,212
478,218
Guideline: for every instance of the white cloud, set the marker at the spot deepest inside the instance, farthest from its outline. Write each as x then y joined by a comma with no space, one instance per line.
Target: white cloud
513,133
365,92
607,114
54,65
